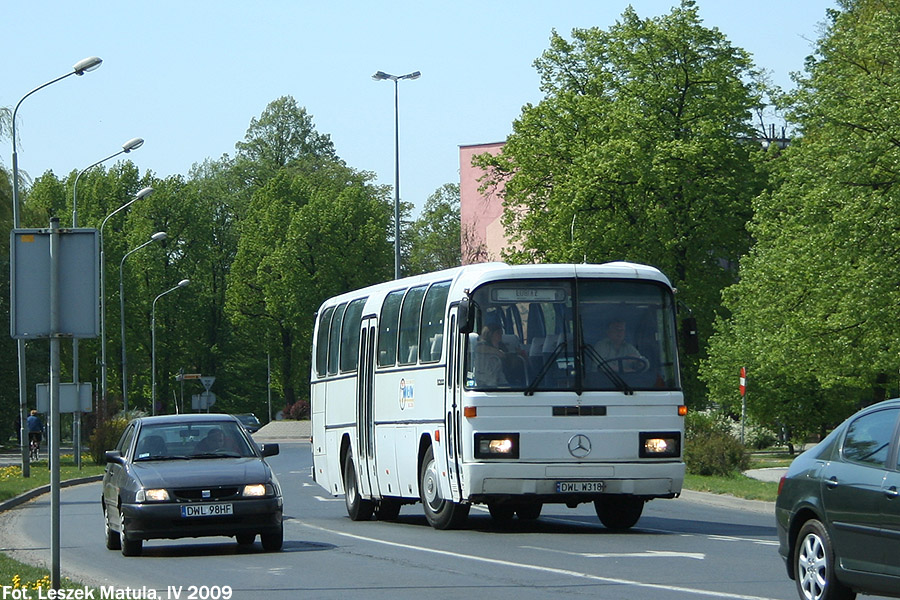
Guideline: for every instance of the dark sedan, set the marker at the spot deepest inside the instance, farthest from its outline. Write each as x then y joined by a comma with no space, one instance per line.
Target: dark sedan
838,510
249,421
180,476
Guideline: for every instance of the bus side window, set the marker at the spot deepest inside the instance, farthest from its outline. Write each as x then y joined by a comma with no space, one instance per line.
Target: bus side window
432,330
322,342
350,335
387,329
334,341
410,316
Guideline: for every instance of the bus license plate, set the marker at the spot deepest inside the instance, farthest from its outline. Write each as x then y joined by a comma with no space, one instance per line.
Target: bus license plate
207,510
575,487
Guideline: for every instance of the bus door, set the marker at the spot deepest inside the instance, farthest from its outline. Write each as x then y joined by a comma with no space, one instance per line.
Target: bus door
453,408
365,419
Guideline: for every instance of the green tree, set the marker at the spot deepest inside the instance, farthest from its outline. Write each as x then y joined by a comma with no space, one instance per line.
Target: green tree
638,152
814,313
435,235
282,135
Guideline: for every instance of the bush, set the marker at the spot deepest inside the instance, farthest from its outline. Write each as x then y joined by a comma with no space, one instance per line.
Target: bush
105,437
710,449
297,411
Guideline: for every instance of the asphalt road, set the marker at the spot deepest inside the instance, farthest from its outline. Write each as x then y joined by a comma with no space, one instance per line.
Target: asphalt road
697,546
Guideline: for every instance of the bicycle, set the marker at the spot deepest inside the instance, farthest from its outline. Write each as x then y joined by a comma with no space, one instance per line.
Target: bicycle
34,444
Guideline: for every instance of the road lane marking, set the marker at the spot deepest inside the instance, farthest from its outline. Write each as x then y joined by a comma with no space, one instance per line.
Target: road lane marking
646,554
321,499
539,568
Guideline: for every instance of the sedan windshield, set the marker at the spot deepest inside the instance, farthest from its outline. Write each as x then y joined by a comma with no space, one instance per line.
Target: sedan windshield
572,335
172,441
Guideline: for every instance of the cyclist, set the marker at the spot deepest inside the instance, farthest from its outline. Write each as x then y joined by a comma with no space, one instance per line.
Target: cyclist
35,432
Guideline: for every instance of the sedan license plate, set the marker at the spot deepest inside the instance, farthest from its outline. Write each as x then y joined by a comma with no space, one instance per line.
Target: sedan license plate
207,510
575,487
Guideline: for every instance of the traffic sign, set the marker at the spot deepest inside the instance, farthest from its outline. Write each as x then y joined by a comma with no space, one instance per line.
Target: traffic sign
185,376
207,382
743,385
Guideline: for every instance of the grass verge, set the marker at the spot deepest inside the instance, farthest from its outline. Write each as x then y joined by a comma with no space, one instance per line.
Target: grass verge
12,483
738,485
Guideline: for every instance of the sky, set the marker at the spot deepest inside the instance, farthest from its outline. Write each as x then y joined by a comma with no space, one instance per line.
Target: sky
188,76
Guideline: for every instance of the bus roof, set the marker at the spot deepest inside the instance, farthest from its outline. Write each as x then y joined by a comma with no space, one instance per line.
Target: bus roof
469,277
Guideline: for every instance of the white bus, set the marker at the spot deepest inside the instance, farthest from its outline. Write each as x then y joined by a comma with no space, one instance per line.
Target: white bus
508,386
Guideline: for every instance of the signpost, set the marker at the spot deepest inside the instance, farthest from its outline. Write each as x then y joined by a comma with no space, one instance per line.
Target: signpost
743,389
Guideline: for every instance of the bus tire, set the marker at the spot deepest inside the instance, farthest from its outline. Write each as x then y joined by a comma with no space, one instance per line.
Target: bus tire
619,512
440,513
358,508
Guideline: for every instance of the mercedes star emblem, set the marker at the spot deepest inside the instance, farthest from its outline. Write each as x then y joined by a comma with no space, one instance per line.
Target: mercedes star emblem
579,446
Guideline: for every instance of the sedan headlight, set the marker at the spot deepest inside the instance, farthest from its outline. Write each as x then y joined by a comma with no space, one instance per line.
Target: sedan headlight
660,445
155,495
496,445
258,490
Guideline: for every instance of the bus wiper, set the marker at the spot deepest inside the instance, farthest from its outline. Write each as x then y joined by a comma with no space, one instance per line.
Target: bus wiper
529,391
607,370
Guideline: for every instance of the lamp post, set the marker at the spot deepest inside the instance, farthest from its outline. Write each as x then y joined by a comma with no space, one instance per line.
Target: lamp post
181,284
141,194
379,76
80,68
156,237
128,146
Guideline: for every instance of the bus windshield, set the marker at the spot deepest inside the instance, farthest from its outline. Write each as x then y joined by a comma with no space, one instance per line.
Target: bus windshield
572,335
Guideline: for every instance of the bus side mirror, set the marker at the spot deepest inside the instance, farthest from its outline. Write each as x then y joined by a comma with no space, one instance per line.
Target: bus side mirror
690,339
465,317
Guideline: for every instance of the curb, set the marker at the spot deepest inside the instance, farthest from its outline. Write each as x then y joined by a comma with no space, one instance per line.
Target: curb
38,491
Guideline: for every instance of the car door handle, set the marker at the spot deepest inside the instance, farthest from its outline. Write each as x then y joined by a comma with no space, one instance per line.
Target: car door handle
832,482
891,492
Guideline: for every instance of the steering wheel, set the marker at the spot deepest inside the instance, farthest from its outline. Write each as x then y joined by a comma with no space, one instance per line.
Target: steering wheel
629,364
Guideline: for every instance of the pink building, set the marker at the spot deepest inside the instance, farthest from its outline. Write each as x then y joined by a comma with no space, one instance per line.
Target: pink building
483,237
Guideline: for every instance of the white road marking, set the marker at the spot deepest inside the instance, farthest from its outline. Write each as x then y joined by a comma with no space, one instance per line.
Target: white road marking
539,568
647,554
321,499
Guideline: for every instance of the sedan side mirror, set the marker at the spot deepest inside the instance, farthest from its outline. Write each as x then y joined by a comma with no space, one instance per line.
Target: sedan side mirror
114,456
269,449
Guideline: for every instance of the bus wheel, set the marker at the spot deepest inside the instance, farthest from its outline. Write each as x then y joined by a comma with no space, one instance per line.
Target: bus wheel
440,513
358,508
619,511
502,512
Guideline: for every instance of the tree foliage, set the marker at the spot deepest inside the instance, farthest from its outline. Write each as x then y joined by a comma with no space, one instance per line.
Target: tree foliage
814,314
435,235
637,152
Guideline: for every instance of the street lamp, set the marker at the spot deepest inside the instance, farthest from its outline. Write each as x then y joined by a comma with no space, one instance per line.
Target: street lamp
128,146
156,237
132,144
379,76
181,284
141,194
80,68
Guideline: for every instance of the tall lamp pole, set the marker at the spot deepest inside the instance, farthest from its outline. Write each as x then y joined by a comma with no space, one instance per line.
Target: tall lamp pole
156,237
80,68
379,76
127,147
141,194
181,284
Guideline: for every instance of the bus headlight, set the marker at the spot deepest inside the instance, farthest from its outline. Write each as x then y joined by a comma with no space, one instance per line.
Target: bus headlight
496,445
660,444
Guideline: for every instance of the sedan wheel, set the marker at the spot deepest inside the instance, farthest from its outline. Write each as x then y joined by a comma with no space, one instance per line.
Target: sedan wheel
273,540
129,547
814,565
112,536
